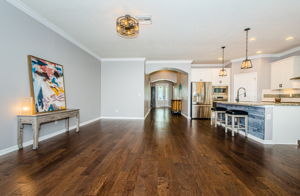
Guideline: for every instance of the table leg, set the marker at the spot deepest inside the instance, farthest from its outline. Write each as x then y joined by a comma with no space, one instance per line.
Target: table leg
36,132
68,124
77,121
20,134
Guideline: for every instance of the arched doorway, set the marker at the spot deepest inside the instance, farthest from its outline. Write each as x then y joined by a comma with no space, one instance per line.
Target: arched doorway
167,85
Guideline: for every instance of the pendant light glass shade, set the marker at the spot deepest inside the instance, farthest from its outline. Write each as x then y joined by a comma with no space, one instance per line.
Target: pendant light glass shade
223,71
246,64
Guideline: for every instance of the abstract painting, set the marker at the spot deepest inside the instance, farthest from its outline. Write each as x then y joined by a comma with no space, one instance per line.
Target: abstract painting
47,85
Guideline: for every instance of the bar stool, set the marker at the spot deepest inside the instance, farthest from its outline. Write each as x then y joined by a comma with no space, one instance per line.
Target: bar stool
236,116
215,111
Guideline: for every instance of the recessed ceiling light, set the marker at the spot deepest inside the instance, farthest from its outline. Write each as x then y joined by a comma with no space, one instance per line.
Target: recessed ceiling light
289,38
252,39
258,52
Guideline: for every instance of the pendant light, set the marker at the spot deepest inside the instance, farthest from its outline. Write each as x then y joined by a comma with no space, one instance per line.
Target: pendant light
223,72
246,64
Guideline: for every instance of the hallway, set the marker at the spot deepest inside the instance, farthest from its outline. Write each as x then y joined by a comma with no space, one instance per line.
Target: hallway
163,155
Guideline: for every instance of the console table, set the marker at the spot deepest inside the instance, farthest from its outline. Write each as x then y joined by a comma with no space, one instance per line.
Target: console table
176,106
37,119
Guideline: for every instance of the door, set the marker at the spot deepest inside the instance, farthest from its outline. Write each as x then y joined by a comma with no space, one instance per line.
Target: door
163,95
153,96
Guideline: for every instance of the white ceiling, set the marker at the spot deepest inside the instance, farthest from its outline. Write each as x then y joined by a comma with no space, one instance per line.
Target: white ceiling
181,29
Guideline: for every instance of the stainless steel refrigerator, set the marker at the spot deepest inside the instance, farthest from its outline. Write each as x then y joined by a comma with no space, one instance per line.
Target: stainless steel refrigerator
201,94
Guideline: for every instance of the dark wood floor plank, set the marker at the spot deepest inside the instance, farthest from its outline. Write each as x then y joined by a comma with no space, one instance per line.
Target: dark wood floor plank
165,155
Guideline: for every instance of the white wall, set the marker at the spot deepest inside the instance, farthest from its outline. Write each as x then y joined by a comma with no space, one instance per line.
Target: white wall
122,88
20,36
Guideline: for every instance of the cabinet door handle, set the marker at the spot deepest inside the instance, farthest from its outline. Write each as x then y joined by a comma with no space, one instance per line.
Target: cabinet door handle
280,85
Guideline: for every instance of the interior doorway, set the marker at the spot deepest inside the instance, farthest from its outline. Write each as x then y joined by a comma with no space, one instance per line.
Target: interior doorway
167,87
163,94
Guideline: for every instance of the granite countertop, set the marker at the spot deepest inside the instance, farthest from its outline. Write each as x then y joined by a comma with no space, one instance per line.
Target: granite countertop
260,103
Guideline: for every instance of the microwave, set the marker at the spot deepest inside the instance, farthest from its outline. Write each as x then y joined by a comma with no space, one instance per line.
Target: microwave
220,90
220,93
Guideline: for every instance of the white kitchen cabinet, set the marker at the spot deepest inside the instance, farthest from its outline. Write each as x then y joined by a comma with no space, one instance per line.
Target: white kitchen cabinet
283,70
210,75
218,80
201,75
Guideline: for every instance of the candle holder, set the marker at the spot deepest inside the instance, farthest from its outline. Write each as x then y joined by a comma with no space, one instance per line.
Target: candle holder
26,106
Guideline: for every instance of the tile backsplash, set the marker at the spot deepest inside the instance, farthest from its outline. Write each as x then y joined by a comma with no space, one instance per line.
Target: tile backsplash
286,95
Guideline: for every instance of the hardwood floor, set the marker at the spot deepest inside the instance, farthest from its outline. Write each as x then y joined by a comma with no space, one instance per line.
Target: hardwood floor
163,155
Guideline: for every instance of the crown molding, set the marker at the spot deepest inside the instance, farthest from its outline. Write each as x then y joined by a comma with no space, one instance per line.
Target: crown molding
122,59
169,62
210,65
27,10
290,51
206,65
275,55
255,57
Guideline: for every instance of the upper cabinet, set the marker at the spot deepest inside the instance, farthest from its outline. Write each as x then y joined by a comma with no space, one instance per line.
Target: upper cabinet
283,73
201,75
218,80
210,75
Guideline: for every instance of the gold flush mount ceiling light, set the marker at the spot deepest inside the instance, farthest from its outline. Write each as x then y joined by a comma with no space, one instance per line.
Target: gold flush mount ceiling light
127,26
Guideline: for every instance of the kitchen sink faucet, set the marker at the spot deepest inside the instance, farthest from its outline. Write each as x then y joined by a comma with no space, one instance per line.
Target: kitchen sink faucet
238,94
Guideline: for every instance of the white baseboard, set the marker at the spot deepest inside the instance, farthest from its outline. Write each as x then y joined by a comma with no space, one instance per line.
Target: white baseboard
257,139
89,121
122,118
147,113
187,117
42,138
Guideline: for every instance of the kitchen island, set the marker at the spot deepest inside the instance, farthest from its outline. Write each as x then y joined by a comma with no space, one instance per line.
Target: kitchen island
269,122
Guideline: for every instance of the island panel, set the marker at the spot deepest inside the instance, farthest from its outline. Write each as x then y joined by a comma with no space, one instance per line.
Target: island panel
256,118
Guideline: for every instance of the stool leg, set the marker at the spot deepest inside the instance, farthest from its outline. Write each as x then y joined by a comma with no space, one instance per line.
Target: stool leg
232,125
238,124
246,126
226,123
